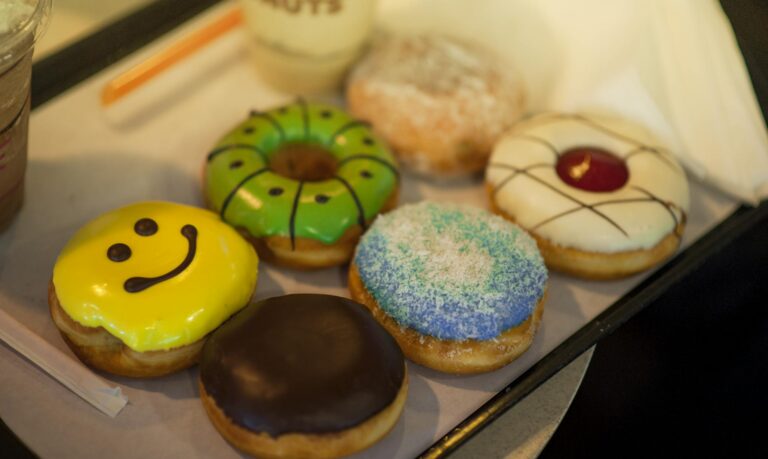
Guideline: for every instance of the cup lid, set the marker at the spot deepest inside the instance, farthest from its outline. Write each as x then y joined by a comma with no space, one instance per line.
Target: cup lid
22,22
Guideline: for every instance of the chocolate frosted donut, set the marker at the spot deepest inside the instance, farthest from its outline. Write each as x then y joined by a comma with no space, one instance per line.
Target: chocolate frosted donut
303,376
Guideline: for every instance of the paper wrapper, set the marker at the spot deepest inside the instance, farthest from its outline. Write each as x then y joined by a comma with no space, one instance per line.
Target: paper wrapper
673,66
79,379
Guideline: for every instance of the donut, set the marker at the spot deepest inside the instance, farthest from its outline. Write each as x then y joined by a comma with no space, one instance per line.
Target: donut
460,289
440,103
302,376
136,291
600,194
302,182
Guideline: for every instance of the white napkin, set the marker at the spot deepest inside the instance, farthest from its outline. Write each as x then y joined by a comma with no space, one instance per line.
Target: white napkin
672,65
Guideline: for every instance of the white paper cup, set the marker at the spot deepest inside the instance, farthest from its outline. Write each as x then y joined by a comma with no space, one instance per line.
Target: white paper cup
21,23
306,46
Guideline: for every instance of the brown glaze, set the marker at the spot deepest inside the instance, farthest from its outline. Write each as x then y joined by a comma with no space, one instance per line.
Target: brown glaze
302,364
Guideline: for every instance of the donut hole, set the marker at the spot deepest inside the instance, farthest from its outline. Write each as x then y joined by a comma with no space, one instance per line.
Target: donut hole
304,162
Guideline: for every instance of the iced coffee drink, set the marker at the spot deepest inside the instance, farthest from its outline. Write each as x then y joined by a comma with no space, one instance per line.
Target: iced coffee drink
306,46
21,22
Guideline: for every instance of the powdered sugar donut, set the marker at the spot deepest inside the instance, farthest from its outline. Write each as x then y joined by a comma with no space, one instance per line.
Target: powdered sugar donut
600,194
460,289
439,103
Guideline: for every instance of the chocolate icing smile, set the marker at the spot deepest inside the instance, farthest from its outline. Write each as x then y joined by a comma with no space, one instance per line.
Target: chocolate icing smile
302,364
137,284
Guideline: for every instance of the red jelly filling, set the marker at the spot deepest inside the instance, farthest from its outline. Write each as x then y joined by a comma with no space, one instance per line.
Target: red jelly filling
592,169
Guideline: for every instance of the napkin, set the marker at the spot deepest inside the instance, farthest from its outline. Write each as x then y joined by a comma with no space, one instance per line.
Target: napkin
672,65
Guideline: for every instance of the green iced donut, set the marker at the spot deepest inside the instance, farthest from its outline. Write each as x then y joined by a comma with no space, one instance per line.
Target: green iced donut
305,172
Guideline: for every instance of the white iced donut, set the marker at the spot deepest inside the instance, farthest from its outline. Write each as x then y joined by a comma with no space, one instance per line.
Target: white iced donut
600,195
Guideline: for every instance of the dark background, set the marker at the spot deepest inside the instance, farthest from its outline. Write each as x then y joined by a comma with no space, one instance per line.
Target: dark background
685,377
688,375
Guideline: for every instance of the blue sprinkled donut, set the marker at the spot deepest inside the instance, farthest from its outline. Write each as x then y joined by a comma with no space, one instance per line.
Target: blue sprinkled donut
447,276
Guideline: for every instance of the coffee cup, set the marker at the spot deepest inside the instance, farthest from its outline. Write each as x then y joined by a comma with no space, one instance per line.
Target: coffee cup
21,23
306,46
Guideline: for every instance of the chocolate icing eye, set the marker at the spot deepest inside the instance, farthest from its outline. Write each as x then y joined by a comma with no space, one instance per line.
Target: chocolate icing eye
249,130
118,252
145,227
235,164
277,191
322,199
368,141
365,174
326,114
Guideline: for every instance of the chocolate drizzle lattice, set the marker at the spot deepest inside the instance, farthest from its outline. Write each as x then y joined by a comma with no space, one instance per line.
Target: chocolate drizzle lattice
637,149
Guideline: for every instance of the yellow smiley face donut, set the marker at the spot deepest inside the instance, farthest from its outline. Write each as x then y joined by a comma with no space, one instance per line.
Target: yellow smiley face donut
136,291
600,195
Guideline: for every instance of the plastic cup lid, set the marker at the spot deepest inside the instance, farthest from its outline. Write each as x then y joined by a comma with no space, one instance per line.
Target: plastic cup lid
22,22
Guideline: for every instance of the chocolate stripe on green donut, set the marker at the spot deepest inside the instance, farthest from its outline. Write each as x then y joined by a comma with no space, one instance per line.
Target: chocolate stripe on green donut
278,127
216,152
304,116
294,209
384,163
360,210
351,125
237,188
248,181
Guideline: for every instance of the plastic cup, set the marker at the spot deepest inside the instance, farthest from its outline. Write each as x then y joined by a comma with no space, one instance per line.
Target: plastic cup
21,23
306,46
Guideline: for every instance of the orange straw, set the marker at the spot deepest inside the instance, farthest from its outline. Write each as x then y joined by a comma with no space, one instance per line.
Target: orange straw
150,68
